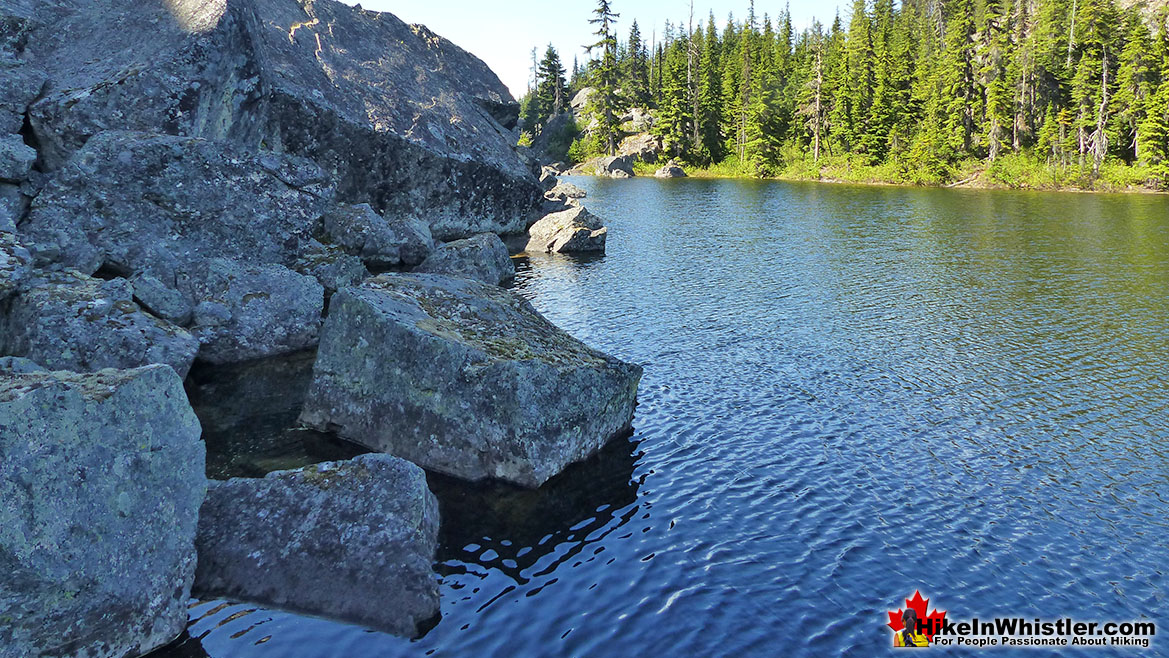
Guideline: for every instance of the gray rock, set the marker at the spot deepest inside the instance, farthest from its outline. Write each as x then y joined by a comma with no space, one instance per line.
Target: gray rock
102,479
564,191
16,158
140,202
161,300
247,312
15,365
671,170
464,378
20,84
12,207
616,166
15,266
575,229
68,321
644,147
350,540
483,257
404,120
379,242
331,267
548,179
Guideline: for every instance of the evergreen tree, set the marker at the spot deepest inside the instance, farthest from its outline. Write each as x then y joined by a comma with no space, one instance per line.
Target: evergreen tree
604,101
637,86
551,87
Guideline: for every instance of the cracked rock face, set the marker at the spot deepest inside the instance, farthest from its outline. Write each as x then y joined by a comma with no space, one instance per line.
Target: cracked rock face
405,120
102,479
379,241
68,321
145,203
350,540
465,379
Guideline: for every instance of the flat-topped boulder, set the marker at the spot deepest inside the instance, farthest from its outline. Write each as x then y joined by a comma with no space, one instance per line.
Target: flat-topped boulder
139,202
483,257
69,321
574,229
351,540
464,378
102,479
402,118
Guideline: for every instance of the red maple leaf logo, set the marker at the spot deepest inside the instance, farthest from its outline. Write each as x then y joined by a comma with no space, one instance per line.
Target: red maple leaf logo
932,622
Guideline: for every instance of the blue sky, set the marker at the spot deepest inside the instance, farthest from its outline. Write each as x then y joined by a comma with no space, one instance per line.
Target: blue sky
503,33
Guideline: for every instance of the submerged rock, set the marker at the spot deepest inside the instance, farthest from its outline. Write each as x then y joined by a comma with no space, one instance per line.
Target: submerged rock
349,540
483,257
574,229
378,241
465,379
102,479
137,202
403,119
68,321
251,311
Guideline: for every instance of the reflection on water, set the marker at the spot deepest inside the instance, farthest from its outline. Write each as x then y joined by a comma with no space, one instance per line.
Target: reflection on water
850,393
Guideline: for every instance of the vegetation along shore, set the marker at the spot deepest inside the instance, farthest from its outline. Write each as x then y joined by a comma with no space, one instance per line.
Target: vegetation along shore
1035,94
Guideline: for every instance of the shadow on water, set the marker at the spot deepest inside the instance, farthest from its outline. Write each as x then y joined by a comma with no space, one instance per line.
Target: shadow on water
249,416
500,526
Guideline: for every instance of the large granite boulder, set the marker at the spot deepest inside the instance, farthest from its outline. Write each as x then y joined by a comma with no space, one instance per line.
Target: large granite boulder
349,540
244,312
483,257
139,202
404,120
465,379
101,482
379,241
572,230
69,321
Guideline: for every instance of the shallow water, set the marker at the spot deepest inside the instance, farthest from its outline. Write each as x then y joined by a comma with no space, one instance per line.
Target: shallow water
850,393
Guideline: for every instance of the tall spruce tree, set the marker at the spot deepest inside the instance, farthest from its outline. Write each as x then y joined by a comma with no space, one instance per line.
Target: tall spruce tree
604,101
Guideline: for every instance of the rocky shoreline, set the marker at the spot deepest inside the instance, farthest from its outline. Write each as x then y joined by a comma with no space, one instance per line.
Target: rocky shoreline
191,185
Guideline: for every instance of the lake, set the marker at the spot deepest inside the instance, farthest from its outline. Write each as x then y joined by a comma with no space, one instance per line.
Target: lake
850,394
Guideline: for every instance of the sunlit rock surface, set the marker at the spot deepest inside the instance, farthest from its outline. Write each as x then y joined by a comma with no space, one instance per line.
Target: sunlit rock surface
464,378
404,119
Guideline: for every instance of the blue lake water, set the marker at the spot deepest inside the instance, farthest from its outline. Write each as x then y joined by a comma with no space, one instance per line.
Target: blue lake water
850,394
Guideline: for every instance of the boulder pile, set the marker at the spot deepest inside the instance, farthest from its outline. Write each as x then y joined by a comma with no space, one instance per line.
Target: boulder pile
200,184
